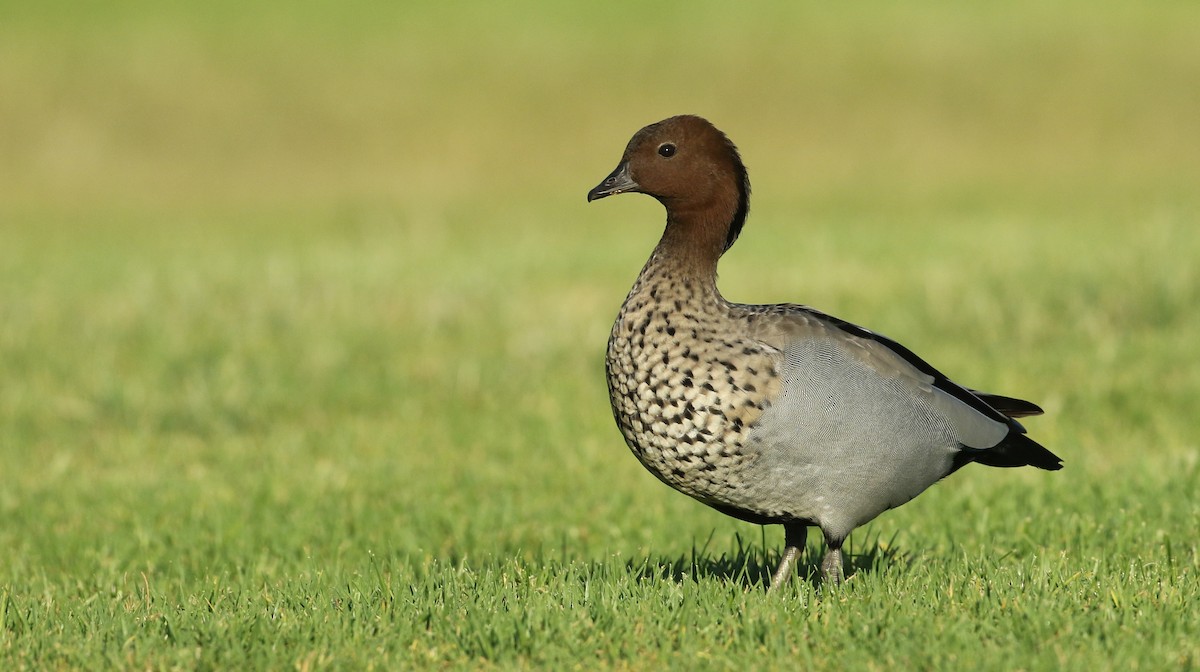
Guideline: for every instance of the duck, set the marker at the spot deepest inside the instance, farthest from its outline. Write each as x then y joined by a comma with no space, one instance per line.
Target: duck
775,414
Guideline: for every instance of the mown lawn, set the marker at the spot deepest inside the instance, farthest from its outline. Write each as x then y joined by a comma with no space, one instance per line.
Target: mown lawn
302,317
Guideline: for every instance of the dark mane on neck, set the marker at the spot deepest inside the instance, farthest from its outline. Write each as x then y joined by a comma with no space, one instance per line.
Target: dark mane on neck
743,206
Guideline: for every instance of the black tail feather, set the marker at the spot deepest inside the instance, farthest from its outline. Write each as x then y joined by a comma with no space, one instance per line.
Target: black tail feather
1017,450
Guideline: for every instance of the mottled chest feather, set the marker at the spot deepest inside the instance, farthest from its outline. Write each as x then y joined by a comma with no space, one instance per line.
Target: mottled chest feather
686,384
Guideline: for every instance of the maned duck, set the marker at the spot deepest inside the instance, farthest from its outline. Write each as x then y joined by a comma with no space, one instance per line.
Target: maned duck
775,413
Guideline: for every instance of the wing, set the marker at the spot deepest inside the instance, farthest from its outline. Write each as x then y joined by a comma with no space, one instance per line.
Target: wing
984,422
1010,406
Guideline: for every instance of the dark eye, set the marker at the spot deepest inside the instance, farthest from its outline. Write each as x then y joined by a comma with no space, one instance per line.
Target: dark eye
666,150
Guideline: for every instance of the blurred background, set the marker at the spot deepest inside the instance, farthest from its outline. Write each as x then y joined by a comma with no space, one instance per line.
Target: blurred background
176,107
334,259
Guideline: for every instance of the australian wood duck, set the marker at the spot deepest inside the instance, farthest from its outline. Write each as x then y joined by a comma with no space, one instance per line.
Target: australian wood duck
775,413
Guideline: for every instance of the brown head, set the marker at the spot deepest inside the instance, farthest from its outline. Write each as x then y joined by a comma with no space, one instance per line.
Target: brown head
694,171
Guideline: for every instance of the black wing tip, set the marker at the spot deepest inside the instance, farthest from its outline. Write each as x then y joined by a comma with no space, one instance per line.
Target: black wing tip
1010,406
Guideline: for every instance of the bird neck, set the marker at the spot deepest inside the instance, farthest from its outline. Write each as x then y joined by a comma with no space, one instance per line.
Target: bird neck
694,240
684,263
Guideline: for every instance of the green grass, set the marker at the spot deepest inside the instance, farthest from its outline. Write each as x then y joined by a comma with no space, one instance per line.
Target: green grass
302,318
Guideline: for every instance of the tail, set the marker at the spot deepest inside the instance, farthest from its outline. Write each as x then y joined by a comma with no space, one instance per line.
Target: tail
1017,450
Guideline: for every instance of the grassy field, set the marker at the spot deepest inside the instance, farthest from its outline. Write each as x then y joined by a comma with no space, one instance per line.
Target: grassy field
302,317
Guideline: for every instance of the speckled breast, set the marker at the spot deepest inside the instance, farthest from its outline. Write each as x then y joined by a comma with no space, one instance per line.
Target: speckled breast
684,396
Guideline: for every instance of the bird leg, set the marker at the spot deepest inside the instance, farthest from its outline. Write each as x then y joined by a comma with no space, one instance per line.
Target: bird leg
831,565
794,535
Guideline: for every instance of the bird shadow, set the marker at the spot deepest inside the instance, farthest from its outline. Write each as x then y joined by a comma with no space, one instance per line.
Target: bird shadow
751,564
